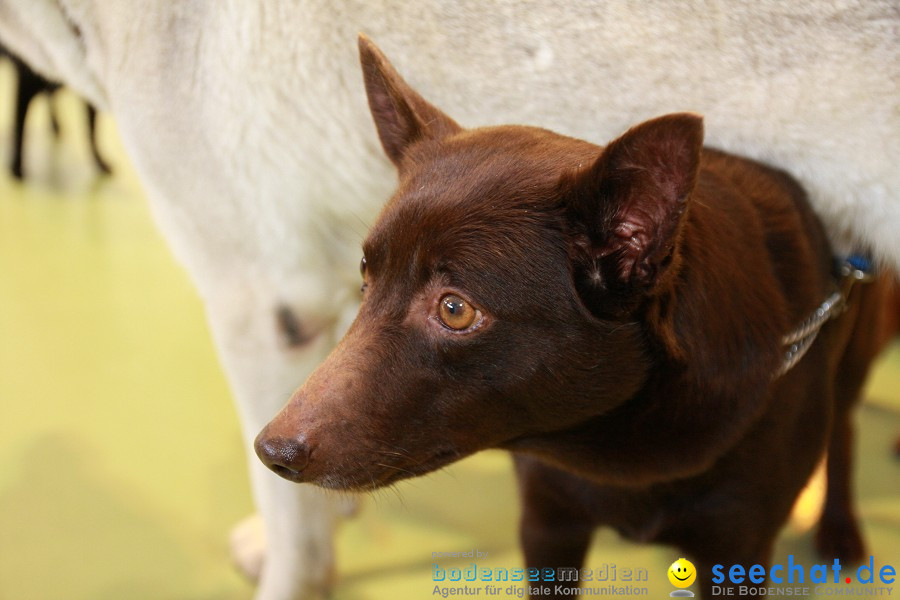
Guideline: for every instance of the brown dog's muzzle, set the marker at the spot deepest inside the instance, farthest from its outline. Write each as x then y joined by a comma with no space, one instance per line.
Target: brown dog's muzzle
324,434
351,427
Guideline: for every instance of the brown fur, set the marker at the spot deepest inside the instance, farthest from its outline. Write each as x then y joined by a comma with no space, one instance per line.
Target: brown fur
632,303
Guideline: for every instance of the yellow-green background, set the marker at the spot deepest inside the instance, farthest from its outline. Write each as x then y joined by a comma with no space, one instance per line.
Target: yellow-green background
121,469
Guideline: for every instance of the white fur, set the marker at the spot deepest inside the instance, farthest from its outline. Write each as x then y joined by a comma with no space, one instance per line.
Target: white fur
248,125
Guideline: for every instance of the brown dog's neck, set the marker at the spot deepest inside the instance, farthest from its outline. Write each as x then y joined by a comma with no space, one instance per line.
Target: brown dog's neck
645,441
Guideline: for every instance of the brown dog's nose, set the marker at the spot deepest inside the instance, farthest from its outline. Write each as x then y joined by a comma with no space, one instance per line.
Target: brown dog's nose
286,456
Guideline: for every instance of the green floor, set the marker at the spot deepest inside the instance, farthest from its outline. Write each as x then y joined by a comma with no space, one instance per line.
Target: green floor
121,468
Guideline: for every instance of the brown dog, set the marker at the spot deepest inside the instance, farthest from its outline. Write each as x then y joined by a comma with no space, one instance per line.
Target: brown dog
613,316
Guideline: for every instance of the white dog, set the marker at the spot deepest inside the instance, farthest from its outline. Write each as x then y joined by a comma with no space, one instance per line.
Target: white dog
248,125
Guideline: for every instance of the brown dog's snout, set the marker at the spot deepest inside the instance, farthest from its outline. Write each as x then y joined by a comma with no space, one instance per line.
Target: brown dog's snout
287,457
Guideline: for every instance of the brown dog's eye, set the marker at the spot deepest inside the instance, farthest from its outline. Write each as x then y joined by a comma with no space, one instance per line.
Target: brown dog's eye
457,314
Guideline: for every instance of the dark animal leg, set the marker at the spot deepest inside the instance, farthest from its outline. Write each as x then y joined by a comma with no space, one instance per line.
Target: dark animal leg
554,535
838,535
29,87
554,541
92,127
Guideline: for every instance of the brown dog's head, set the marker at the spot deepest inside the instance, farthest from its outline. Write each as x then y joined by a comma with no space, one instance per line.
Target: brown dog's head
501,284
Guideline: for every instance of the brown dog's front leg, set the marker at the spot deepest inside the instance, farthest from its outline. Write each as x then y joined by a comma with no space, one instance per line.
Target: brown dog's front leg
555,531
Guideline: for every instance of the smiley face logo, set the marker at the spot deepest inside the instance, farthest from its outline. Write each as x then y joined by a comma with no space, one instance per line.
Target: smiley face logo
682,573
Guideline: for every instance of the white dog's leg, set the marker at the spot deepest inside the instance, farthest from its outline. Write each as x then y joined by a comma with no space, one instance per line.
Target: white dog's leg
291,548
247,542
298,561
293,556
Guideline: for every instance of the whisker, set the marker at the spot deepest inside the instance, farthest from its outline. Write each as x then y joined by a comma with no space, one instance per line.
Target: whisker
400,469
392,453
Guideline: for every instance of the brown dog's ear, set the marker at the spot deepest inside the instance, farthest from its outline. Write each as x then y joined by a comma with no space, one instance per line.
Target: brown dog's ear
401,115
627,206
